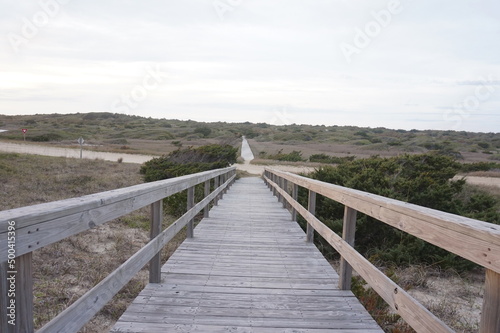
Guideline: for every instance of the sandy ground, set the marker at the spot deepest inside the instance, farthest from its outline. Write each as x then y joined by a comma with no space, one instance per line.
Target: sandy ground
71,152
248,156
246,152
486,181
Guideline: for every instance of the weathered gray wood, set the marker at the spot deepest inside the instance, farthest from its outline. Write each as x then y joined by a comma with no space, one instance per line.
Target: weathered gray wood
24,294
190,204
312,209
348,234
206,193
416,315
216,185
156,229
285,188
44,224
474,240
3,297
80,312
490,315
295,195
247,270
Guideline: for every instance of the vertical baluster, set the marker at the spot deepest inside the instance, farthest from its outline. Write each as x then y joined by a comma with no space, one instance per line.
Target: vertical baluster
312,210
156,227
348,234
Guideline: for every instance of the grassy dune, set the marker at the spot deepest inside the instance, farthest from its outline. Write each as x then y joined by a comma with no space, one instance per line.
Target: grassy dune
64,271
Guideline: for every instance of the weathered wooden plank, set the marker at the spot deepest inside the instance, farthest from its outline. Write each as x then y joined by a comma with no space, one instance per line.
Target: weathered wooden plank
474,240
311,207
24,294
44,224
190,204
155,230
80,312
410,310
245,270
134,327
490,316
348,234
206,189
4,301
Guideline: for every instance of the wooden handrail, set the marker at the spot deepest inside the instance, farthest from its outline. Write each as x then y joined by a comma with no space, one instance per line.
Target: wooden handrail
41,225
475,240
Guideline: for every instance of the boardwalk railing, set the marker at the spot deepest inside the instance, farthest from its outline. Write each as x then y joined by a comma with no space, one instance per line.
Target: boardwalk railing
474,240
24,230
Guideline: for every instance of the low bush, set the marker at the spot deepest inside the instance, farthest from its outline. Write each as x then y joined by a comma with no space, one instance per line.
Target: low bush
424,180
323,158
184,162
294,156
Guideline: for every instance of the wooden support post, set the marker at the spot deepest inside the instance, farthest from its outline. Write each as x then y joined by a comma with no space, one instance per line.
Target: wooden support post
312,210
207,192
285,187
24,294
216,186
280,185
490,316
274,179
222,181
190,204
156,228
4,302
295,195
348,234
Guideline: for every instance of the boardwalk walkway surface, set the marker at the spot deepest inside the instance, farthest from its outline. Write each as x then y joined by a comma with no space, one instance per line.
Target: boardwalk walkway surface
247,269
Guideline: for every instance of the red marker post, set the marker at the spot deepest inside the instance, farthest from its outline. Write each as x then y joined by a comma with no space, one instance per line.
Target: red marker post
24,130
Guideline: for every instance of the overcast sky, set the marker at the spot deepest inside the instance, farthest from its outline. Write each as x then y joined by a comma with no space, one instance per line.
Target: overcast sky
396,64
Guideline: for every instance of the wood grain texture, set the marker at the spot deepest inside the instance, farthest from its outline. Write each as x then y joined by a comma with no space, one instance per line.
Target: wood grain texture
471,239
348,234
416,315
80,312
40,225
490,316
156,229
248,269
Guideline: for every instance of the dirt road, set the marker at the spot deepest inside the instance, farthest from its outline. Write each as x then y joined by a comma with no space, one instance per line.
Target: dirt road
246,153
71,152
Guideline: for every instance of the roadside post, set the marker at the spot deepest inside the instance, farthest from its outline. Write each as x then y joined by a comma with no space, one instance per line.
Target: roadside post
81,141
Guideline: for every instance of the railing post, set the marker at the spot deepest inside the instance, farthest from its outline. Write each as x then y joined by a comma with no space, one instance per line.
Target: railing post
207,192
490,316
23,294
216,186
348,234
190,204
280,185
156,227
4,303
222,181
295,195
285,187
312,209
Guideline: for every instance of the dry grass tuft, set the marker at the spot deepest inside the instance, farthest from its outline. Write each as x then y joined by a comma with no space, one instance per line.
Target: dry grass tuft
66,270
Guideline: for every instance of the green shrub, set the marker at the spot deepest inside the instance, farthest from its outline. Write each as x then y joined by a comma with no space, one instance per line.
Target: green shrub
323,158
187,161
47,137
424,180
294,156
204,131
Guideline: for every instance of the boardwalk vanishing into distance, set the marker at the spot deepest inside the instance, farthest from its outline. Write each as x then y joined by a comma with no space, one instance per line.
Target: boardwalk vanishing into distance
247,269
247,266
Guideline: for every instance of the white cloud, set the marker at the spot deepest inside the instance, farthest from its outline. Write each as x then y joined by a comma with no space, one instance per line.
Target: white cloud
262,55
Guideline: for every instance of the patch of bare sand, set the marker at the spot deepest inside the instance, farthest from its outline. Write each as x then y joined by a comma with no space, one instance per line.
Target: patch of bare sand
484,181
256,169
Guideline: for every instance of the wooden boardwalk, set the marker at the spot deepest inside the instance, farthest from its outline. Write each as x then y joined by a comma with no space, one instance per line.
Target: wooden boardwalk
247,269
